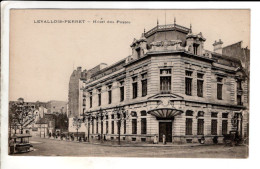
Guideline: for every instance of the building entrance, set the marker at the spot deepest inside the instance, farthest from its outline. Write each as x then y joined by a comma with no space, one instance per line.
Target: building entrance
165,128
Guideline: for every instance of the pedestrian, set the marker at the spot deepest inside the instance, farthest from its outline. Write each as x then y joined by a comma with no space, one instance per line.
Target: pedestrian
164,139
155,140
202,141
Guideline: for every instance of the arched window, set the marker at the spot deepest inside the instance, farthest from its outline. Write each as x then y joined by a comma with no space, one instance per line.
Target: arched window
200,114
189,113
143,113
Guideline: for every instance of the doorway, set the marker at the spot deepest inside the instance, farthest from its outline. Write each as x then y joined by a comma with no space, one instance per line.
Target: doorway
165,128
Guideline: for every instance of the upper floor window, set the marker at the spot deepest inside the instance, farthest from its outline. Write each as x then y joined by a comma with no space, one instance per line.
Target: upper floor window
224,115
135,87
99,97
143,113
214,114
189,113
109,94
239,100
188,82
138,51
239,85
84,102
165,72
165,80
144,84
200,84
219,88
195,48
90,99
122,91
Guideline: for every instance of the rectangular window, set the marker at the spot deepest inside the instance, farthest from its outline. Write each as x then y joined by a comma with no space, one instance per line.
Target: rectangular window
112,127
188,126
122,93
92,127
200,88
90,99
188,86
200,129
165,71
135,90
144,87
134,126
109,97
239,100
214,127
124,126
165,84
97,126
138,51
143,125
106,127
239,85
214,114
219,91
224,126
99,97
224,115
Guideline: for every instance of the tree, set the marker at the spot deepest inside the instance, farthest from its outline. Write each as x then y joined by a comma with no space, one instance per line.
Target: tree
120,116
77,124
20,116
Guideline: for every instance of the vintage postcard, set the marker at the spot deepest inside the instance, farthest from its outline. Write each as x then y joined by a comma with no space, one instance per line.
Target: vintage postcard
159,83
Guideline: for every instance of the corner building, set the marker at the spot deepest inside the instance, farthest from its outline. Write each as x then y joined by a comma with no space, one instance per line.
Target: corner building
170,86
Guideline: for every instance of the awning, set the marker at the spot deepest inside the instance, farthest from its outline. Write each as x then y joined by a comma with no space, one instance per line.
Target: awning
165,113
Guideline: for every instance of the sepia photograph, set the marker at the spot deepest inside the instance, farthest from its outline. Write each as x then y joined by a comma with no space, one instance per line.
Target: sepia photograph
159,83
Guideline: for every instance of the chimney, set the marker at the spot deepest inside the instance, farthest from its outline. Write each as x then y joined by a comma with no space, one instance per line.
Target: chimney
218,46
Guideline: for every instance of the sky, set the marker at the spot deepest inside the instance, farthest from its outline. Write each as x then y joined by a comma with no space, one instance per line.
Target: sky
43,55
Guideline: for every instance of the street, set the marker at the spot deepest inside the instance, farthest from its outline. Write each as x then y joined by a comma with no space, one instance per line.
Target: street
48,147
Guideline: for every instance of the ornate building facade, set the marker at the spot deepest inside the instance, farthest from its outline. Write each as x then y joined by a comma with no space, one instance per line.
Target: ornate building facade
170,86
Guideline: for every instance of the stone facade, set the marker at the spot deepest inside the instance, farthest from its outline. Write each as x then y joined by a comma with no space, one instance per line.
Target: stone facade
169,86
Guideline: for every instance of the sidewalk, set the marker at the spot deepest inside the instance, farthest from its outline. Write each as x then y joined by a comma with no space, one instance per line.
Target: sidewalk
137,144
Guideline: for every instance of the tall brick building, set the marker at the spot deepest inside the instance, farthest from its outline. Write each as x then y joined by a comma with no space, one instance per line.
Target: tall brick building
170,85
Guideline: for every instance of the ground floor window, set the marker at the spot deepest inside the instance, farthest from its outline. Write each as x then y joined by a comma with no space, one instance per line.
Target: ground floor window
124,126
214,127
112,127
200,129
134,126
224,126
97,127
106,127
143,126
188,126
92,127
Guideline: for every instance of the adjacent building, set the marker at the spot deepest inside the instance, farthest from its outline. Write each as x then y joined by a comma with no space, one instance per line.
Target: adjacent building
169,86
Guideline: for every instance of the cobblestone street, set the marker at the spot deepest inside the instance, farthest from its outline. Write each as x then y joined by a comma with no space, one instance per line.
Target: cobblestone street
48,147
